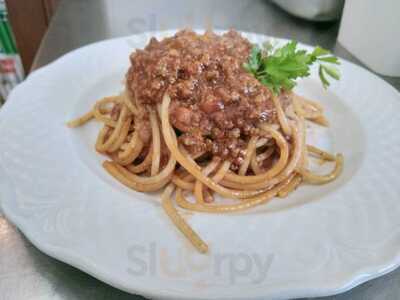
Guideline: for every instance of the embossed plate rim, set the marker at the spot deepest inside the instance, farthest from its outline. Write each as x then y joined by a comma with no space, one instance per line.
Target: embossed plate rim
338,285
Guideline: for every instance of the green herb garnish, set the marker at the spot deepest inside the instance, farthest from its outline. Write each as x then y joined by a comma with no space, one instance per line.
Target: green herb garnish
278,68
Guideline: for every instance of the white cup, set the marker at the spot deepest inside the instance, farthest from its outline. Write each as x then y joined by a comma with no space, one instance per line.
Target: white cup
370,30
314,10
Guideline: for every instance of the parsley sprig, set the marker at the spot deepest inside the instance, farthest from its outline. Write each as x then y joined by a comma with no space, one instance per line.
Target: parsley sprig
278,68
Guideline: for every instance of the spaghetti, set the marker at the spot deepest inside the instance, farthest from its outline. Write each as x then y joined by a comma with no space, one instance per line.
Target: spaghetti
151,147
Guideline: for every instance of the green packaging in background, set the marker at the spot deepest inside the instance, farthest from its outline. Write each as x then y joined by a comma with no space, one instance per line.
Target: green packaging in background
11,71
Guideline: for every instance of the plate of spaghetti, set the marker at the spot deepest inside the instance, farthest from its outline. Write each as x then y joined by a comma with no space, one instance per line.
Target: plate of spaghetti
206,165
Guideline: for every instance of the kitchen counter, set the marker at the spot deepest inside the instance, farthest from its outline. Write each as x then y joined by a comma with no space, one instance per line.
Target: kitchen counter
25,272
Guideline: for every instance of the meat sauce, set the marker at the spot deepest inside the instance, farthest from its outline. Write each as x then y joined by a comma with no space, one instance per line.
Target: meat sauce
215,104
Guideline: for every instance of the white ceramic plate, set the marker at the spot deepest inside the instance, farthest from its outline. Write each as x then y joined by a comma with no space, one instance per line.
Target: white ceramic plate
320,241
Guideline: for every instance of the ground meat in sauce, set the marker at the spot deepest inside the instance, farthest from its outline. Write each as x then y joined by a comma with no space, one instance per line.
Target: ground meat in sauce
215,103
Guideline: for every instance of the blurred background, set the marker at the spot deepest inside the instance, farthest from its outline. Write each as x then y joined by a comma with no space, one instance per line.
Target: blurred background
33,33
